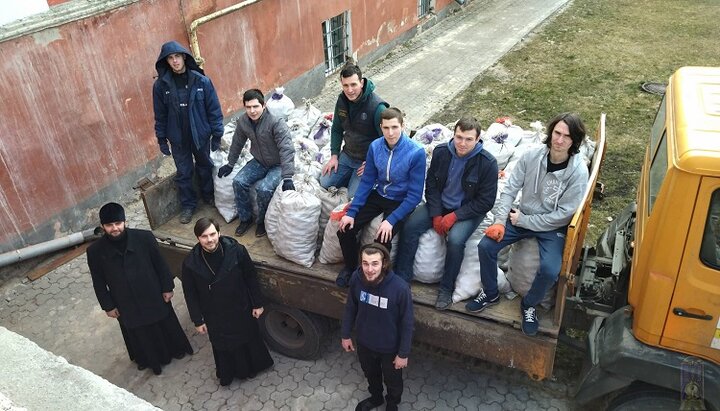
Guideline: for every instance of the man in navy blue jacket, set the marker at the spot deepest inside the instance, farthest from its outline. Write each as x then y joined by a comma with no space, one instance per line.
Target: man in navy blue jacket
189,117
379,306
460,189
391,184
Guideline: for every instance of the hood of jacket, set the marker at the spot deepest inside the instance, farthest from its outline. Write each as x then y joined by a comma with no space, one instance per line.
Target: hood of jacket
169,48
367,91
478,148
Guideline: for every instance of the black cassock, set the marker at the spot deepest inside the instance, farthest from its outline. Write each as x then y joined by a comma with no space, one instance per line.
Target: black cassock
130,274
221,290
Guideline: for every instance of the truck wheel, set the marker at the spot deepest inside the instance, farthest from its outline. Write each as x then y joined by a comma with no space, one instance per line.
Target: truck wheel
642,397
291,332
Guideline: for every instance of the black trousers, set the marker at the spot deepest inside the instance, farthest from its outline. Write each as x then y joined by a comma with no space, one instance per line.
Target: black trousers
374,206
378,367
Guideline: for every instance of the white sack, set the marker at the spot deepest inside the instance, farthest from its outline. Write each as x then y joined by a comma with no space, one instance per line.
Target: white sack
330,252
302,119
280,105
329,199
370,231
292,222
320,132
429,264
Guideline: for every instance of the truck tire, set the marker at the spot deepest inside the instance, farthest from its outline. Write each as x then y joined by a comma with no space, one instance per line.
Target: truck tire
642,397
291,332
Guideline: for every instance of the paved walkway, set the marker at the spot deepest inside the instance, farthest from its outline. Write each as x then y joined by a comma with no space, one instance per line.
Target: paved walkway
60,312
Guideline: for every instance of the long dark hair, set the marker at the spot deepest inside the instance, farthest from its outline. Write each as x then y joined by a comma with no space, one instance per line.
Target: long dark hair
575,126
203,224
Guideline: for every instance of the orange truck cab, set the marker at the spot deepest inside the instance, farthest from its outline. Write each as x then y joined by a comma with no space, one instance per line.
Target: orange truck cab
662,349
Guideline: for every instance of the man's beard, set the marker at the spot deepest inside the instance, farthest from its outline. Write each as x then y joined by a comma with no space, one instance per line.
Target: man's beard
374,282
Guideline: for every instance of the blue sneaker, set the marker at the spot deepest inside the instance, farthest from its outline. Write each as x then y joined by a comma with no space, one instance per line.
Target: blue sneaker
343,278
529,321
481,302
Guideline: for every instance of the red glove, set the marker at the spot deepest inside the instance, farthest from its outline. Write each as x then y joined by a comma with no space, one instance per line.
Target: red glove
437,224
496,232
447,222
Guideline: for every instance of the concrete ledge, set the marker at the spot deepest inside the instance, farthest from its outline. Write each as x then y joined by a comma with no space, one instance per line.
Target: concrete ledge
34,379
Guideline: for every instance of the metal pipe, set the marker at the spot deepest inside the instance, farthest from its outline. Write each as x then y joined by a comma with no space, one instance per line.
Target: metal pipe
194,45
35,250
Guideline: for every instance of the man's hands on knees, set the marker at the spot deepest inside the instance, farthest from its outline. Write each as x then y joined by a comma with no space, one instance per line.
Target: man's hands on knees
496,232
347,344
384,232
225,171
400,362
202,329
331,165
114,313
346,223
437,224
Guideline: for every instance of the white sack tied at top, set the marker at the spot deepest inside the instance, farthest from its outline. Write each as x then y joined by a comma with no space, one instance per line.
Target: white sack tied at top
280,105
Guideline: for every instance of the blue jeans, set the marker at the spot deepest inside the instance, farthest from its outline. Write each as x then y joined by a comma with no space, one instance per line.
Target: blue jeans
267,179
550,244
183,154
415,226
345,176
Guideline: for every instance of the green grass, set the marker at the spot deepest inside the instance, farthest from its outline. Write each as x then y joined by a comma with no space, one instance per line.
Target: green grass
592,58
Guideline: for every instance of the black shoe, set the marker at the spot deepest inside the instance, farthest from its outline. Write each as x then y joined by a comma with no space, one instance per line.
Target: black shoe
141,367
186,215
391,407
481,302
157,371
343,278
368,404
179,356
260,230
226,381
529,321
444,300
243,227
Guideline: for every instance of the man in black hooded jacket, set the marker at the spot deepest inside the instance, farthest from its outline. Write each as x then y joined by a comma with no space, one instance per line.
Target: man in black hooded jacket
189,117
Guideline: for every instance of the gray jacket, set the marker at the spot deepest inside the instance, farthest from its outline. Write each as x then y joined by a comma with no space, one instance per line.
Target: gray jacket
549,200
270,142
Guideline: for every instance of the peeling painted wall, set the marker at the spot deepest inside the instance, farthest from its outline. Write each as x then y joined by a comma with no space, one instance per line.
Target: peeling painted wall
76,116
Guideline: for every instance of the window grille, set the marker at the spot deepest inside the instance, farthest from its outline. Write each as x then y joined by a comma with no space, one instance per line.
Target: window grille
336,41
423,7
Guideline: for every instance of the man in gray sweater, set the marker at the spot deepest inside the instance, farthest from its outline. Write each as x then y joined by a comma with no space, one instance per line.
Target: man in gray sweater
273,159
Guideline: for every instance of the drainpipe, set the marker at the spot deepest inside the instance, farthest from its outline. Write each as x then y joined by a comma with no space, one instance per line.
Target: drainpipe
202,20
35,250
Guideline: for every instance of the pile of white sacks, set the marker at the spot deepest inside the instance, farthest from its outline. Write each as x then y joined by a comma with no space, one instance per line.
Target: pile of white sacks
300,222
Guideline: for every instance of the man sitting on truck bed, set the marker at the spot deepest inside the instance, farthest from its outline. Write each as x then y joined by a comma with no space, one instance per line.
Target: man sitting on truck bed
552,180
459,190
391,184
273,158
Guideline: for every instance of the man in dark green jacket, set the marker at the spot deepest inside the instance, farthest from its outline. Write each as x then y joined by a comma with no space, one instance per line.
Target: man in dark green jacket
356,122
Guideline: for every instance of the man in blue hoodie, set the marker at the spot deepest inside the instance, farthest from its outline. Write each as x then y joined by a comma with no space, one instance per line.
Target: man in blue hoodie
391,184
189,117
460,189
552,179
379,305
356,121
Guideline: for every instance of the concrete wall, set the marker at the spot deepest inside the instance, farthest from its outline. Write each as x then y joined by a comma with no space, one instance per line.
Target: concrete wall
77,125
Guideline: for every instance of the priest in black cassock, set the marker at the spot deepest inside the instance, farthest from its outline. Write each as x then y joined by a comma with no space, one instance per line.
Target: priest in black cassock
224,300
134,285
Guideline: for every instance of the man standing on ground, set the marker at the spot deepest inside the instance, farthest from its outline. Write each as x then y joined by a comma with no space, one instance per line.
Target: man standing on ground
187,115
552,179
379,306
356,121
460,189
134,285
273,159
391,184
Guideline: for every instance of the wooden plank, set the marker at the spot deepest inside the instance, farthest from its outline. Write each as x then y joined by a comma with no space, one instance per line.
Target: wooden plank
161,202
57,261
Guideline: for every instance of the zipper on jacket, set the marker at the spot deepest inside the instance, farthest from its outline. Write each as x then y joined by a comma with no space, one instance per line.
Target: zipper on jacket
387,170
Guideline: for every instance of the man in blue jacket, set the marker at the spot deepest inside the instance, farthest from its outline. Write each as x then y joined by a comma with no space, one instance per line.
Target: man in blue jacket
379,306
189,117
460,189
391,184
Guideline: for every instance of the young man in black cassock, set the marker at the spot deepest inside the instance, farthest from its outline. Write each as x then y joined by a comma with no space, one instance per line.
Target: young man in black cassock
224,300
133,284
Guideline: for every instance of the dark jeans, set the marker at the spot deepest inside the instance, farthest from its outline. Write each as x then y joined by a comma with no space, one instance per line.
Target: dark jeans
378,367
550,244
375,205
183,156
415,226
266,180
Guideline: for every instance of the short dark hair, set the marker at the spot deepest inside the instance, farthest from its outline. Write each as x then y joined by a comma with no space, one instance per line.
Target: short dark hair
254,94
349,70
391,113
575,126
203,224
377,248
467,124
